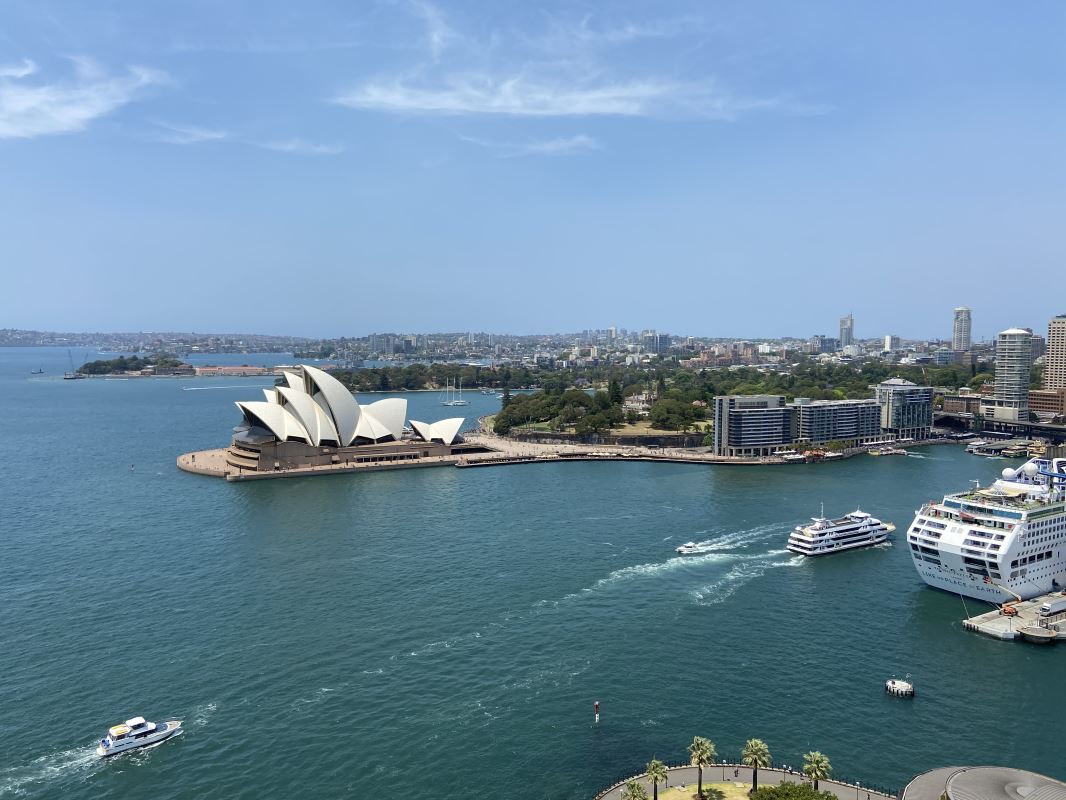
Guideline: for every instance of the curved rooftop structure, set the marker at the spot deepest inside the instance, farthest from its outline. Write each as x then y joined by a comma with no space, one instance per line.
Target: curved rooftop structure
984,783
446,431
314,407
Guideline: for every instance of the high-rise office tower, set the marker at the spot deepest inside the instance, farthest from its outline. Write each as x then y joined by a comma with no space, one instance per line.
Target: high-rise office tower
1055,360
847,331
960,329
892,343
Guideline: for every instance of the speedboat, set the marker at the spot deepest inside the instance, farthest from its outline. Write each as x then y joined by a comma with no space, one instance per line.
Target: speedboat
690,549
135,733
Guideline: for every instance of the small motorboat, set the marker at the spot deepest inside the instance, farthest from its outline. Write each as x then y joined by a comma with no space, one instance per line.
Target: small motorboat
135,733
690,549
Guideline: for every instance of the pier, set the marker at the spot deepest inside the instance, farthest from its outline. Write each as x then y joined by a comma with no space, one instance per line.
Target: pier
1025,625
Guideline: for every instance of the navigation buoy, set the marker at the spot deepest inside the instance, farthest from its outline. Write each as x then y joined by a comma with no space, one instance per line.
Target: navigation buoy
596,707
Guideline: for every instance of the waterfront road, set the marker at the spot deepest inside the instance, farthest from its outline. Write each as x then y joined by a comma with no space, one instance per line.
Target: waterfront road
735,773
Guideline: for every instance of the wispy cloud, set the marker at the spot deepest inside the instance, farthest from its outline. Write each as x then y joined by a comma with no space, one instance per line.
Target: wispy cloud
562,70
300,147
189,134
28,110
439,34
566,34
519,95
547,147
193,135
21,70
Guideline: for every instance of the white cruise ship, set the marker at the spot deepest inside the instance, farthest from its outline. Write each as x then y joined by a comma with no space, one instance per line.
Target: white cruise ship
824,536
997,543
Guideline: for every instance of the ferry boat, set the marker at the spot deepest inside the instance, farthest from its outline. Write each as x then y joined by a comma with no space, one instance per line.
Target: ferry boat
997,543
824,536
135,733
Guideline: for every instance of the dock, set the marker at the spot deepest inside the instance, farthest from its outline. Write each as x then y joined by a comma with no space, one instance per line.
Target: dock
1026,625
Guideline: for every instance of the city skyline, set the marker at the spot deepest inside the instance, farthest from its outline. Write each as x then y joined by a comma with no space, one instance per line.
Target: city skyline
951,338
531,168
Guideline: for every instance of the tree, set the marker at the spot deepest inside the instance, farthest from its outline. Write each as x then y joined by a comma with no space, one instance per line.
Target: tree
614,391
634,791
816,766
506,399
657,774
701,754
756,754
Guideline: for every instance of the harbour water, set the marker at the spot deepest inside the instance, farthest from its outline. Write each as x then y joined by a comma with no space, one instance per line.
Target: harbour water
446,630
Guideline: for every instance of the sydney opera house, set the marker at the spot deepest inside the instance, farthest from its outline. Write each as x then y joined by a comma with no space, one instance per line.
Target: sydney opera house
311,419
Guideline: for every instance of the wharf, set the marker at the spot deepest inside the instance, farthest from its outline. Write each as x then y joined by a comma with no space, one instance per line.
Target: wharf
1026,625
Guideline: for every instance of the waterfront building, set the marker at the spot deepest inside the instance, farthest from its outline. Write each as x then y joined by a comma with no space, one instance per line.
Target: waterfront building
906,408
311,419
892,343
1047,402
1055,361
847,330
821,421
960,329
1013,363
962,404
751,425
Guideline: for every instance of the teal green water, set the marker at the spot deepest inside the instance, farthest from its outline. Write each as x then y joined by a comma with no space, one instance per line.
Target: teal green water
441,628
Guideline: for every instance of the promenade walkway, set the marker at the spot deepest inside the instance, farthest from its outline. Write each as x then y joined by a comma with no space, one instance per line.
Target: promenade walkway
735,773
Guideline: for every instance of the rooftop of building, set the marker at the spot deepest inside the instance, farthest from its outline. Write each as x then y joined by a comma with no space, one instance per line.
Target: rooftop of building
984,783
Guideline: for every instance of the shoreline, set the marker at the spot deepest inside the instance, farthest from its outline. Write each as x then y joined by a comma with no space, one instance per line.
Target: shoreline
495,452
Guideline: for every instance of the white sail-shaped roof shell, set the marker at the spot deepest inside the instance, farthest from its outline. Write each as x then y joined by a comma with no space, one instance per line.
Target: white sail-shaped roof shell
276,418
446,430
311,415
316,408
339,402
390,412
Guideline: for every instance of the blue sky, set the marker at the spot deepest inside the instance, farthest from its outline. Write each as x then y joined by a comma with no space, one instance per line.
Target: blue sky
328,168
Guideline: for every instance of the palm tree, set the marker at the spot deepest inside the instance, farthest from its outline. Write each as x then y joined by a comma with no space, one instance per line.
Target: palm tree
816,766
702,754
656,771
756,754
634,791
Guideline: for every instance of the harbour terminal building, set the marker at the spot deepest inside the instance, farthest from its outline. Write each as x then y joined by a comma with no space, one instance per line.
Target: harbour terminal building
310,419
751,426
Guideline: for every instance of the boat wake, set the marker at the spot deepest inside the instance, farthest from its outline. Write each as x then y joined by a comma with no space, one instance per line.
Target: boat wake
201,715
20,780
659,568
740,574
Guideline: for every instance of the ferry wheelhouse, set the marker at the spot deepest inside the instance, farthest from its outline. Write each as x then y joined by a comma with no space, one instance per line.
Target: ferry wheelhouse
824,536
135,733
997,543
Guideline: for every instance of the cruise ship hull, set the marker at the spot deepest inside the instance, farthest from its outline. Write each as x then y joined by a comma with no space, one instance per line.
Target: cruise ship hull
998,543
